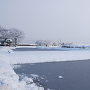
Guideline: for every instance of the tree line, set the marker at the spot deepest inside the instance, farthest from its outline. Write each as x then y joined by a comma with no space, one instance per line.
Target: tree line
13,34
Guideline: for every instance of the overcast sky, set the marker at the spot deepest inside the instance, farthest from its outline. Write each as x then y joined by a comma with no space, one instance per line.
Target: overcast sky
67,20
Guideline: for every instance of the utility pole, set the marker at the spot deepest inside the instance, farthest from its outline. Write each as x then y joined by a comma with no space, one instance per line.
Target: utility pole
16,40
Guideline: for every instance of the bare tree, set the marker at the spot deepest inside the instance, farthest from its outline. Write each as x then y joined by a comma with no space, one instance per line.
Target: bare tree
40,42
44,42
3,32
15,34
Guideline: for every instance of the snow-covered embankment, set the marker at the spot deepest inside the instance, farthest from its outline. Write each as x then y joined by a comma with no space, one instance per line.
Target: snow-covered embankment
9,80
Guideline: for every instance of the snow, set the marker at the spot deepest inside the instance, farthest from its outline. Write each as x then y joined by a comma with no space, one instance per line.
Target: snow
9,80
26,47
47,56
60,76
73,47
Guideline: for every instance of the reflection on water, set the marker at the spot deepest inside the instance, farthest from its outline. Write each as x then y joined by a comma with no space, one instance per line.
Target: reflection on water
74,75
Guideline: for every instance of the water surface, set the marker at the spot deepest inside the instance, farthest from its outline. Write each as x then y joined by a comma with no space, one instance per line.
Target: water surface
70,75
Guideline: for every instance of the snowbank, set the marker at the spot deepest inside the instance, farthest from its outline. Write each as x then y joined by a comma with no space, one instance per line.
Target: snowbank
80,48
9,80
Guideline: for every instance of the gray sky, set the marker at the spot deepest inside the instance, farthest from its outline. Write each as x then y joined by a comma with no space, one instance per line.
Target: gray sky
67,20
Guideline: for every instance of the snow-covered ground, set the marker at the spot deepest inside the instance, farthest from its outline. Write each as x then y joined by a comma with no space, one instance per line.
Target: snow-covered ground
9,80
47,56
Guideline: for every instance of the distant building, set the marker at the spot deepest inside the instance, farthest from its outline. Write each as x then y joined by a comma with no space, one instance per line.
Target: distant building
5,42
